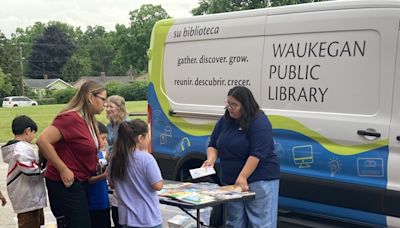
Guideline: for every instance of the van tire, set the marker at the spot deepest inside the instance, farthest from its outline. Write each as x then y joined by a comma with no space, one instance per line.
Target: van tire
15,105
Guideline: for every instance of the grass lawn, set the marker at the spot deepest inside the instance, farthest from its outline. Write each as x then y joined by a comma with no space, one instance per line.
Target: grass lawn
43,115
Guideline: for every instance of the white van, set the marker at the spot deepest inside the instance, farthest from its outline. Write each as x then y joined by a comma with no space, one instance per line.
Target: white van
327,75
18,101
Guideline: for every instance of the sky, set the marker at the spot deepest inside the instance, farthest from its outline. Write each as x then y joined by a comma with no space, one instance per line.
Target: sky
107,13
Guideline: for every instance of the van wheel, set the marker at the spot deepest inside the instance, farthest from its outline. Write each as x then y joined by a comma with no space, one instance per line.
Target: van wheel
15,105
33,104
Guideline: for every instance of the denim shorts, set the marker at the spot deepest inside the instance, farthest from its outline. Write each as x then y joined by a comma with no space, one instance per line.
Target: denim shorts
257,213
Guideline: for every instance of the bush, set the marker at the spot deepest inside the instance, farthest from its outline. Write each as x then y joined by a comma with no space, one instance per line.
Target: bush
64,95
46,101
112,88
135,91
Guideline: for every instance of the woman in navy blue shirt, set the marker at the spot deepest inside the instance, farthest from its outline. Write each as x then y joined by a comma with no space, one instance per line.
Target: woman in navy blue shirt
242,140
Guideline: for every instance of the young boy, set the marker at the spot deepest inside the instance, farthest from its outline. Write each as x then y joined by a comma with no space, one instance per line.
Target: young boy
99,204
25,185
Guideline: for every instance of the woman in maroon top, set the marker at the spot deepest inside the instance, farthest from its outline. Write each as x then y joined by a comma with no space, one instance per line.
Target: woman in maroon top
70,146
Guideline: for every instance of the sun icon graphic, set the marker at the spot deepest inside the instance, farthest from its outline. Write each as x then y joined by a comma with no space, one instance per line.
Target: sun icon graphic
334,165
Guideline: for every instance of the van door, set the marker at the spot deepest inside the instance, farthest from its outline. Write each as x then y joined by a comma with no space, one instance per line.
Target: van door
327,86
393,185
203,57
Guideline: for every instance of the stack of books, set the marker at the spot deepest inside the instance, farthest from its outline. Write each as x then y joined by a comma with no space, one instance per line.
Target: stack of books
200,193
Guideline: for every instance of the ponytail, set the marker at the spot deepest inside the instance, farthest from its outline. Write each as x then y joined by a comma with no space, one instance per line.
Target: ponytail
126,143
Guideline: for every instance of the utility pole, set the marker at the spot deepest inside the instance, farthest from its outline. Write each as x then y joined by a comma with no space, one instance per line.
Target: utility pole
22,69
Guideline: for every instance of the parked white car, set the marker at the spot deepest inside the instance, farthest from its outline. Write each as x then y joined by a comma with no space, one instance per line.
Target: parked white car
18,101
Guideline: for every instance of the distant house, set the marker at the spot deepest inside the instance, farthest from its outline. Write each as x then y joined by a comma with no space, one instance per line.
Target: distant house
41,86
103,79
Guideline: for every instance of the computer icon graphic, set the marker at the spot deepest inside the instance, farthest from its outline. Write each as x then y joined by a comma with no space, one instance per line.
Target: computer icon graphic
303,156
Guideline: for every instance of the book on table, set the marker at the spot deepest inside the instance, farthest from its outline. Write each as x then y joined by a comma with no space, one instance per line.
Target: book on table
203,192
195,198
202,172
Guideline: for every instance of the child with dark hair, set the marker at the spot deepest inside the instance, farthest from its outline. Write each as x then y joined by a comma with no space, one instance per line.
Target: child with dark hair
136,176
25,184
99,205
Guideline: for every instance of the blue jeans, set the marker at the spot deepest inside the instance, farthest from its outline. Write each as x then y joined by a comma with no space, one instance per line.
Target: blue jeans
257,213
158,226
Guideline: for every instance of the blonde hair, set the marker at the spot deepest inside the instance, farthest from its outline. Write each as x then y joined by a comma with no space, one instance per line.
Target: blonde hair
121,109
80,102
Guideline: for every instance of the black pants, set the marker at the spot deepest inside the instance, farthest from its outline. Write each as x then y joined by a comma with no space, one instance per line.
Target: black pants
69,205
100,218
114,213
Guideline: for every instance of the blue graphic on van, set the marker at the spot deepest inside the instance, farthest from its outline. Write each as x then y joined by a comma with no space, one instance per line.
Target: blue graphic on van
298,154
169,139
305,156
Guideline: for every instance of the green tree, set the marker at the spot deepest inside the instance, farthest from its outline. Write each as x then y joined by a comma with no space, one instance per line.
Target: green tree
10,62
23,38
219,6
76,67
134,51
49,53
6,86
95,47
292,2
120,39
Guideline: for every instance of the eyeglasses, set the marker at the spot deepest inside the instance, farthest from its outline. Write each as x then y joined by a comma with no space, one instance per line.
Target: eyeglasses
102,98
232,106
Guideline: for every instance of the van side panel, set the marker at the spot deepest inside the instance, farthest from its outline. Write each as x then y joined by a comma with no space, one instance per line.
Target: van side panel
323,82
325,76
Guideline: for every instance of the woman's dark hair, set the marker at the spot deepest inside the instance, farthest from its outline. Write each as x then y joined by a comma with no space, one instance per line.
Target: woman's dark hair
128,133
249,107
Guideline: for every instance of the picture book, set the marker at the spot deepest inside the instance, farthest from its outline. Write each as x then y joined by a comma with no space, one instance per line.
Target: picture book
201,172
195,198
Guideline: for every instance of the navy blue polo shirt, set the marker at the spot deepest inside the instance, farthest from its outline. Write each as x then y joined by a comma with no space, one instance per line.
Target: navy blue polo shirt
235,145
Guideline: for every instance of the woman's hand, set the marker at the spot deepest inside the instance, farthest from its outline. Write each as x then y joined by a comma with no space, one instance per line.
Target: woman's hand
211,157
247,170
67,177
208,163
241,181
